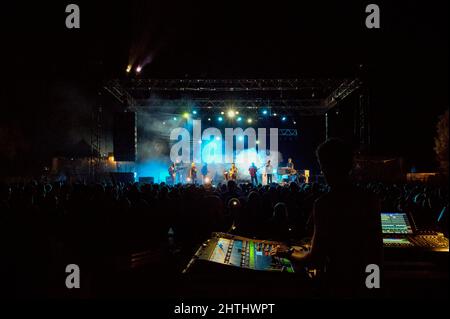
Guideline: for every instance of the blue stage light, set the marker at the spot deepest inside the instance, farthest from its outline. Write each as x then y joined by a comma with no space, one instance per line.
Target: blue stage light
284,118
239,119
220,118
264,112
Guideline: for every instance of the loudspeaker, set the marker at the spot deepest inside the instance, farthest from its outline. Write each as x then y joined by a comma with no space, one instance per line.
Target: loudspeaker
125,178
125,137
146,180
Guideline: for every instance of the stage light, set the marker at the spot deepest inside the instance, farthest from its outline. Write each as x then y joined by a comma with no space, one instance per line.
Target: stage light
257,142
188,179
231,113
250,121
186,115
207,180
220,119
174,118
264,112
237,112
275,114
164,123
129,68
218,138
294,122
209,119
239,119
222,113
139,69
284,118
194,112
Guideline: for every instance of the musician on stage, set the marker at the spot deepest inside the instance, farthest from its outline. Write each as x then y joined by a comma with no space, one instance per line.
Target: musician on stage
268,169
233,172
181,172
204,171
226,176
253,174
292,171
172,173
193,173
290,164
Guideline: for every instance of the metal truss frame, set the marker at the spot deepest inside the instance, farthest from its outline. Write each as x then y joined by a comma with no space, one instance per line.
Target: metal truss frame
231,85
304,96
289,132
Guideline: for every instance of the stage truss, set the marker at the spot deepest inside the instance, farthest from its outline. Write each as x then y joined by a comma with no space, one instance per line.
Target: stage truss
307,97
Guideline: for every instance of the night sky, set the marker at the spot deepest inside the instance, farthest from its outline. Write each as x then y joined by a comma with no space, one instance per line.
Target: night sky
51,74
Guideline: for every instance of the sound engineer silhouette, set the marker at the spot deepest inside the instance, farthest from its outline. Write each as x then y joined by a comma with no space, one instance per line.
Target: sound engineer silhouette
347,228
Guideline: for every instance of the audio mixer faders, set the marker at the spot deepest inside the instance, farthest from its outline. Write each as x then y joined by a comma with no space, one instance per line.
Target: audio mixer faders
242,252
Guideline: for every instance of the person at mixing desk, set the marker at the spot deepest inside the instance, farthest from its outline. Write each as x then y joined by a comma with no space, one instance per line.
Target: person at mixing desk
347,229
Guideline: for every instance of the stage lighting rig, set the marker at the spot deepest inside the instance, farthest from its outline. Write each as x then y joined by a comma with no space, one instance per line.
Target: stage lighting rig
231,113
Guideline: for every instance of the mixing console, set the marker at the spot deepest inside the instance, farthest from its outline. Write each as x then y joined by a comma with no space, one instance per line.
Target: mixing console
228,250
399,232
241,252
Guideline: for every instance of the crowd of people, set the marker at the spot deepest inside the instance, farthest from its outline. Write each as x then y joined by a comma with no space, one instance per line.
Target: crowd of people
57,222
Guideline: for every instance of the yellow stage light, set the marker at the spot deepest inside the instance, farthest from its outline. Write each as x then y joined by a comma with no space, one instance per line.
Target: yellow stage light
231,113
